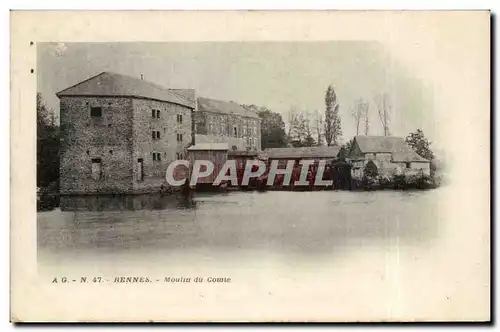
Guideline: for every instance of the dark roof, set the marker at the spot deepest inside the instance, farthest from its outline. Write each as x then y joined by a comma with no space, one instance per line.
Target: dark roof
111,84
240,153
400,150
228,107
305,152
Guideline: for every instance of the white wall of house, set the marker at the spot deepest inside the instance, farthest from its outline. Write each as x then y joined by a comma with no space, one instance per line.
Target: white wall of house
239,142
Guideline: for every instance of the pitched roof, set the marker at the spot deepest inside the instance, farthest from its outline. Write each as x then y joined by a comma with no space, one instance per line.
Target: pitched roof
304,152
189,94
209,146
400,150
111,84
228,107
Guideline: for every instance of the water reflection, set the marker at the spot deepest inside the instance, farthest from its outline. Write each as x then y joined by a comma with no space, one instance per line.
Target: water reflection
125,202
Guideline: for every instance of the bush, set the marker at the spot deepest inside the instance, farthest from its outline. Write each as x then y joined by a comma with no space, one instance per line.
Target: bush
384,181
399,181
426,182
371,169
369,182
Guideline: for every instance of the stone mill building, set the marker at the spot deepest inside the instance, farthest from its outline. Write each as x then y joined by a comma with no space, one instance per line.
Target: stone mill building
119,134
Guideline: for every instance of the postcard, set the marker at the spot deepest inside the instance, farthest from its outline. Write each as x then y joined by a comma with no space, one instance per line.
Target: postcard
250,166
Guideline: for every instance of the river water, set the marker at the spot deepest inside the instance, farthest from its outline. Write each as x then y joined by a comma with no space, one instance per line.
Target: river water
222,225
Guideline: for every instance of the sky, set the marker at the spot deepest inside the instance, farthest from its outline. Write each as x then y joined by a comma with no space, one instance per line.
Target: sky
277,75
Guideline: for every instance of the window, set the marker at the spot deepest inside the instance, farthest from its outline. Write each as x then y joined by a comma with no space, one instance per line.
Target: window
179,156
96,169
235,131
179,137
155,134
179,118
408,165
96,112
155,114
156,156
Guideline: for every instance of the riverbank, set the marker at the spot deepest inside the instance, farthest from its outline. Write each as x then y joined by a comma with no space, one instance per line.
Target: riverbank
47,201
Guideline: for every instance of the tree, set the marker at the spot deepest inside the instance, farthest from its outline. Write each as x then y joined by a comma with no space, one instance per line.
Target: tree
308,139
293,119
299,129
420,144
318,128
359,112
384,109
47,146
272,127
333,129
367,120
345,150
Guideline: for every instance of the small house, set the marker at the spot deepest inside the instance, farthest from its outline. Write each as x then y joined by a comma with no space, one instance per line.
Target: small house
214,152
390,155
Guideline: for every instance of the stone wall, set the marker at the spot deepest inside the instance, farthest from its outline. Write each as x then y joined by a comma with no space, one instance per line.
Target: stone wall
388,168
84,138
167,145
223,125
119,138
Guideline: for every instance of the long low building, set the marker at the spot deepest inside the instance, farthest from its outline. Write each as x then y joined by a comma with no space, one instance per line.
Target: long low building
328,153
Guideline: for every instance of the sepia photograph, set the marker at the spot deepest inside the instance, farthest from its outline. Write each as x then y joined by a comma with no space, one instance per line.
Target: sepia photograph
112,118
259,179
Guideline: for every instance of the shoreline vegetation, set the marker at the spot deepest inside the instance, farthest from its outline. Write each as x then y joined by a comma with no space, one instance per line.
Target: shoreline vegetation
49,199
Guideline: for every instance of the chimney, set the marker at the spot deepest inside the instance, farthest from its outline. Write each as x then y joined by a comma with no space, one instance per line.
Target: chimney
142,77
